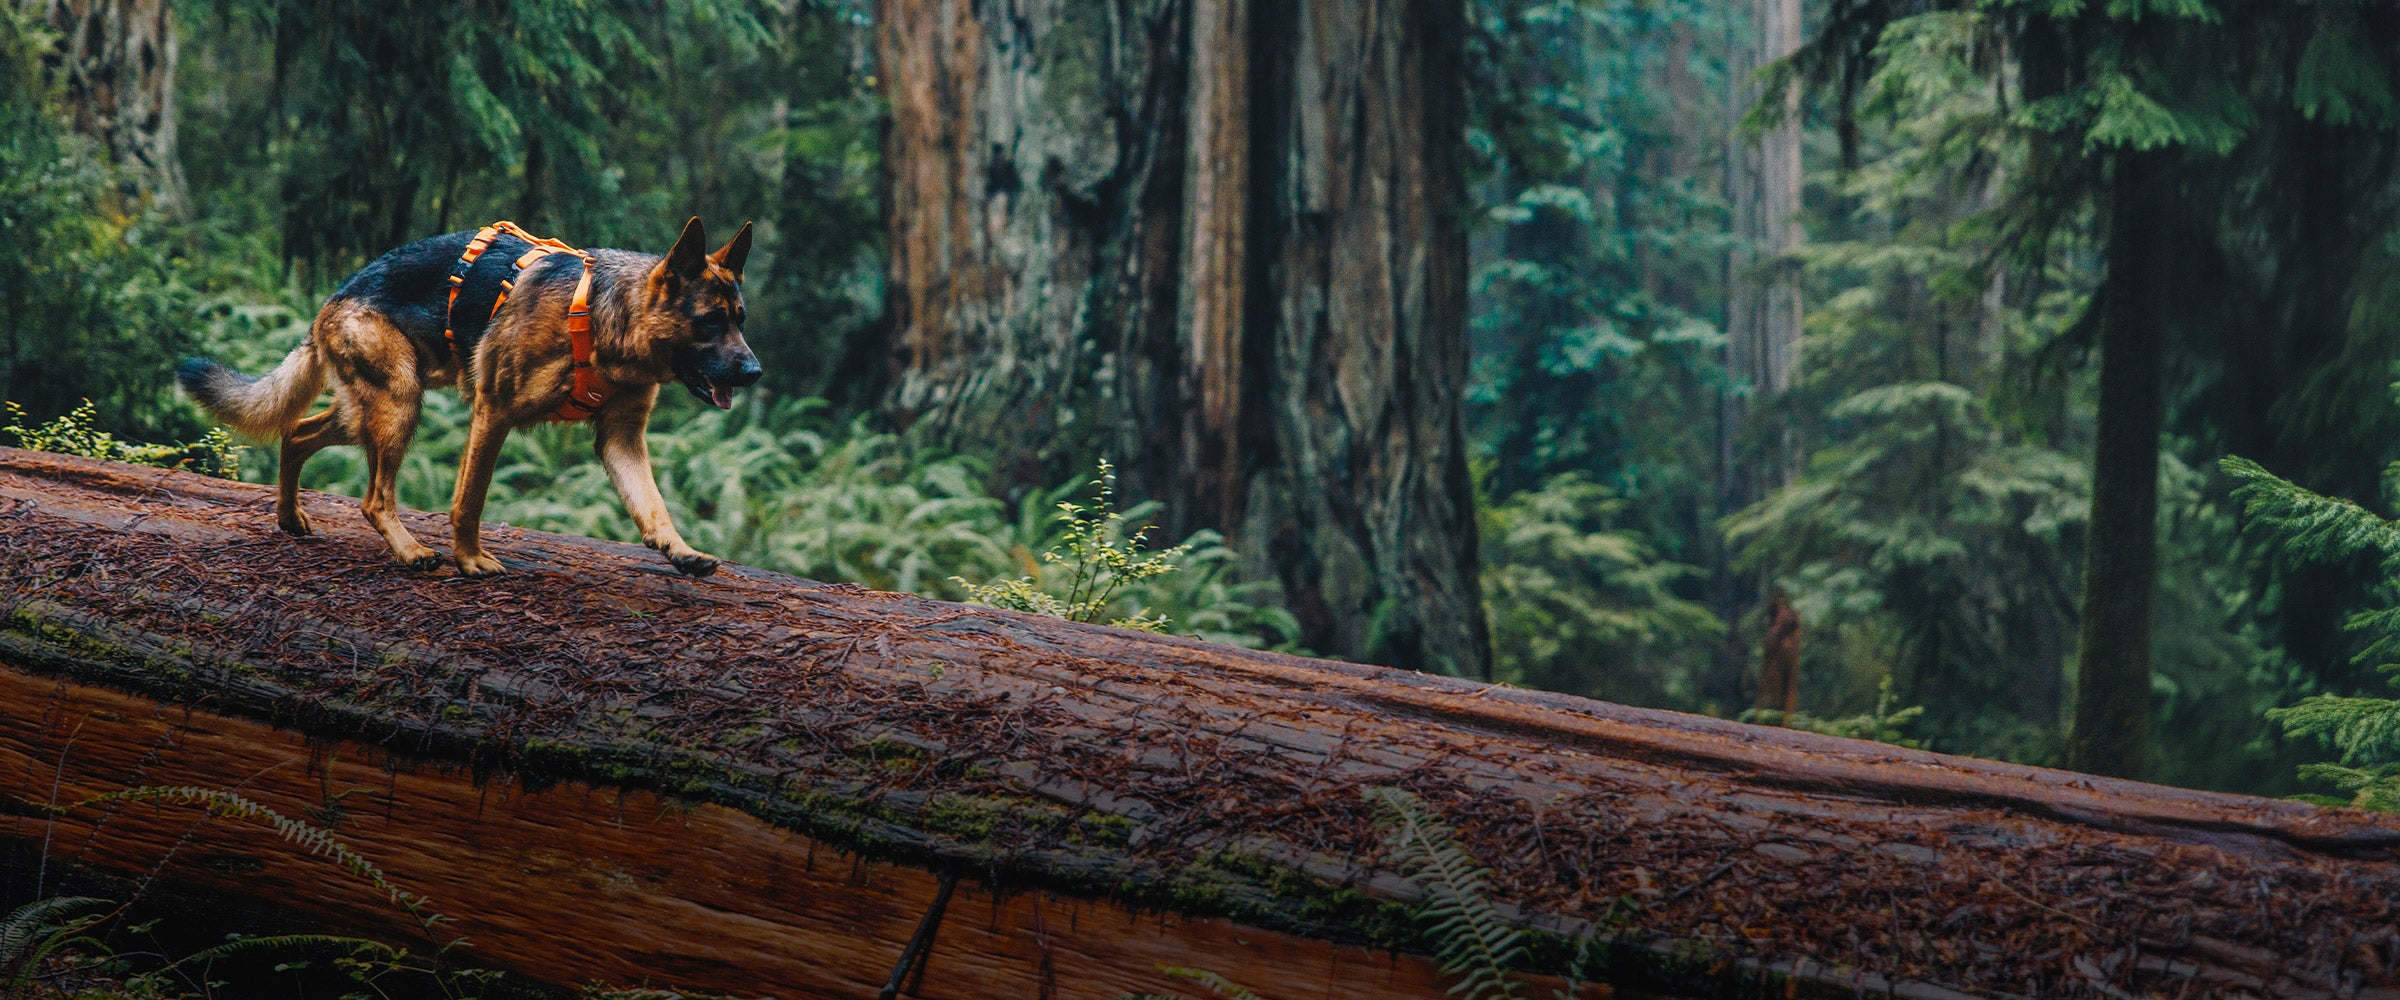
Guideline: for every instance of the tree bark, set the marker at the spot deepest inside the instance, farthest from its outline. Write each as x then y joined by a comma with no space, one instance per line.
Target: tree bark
1762,315
754,784
2112,685
1219,242
1779,658
116,61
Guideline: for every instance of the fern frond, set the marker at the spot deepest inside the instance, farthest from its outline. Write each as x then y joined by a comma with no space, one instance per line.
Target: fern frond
357,947
1472,941
315,839
32,930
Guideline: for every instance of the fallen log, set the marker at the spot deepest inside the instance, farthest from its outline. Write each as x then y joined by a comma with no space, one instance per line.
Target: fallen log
761,785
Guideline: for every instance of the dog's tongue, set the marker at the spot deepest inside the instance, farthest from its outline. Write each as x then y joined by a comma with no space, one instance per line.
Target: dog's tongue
720,397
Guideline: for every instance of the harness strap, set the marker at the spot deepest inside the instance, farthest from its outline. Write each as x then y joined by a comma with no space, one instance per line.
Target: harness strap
458,276
589,390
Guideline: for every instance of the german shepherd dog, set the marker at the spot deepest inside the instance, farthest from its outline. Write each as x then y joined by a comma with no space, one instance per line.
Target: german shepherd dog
383,339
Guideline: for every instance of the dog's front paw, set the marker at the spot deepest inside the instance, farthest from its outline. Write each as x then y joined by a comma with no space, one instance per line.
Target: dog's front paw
295,522
419,558
693,563
478,564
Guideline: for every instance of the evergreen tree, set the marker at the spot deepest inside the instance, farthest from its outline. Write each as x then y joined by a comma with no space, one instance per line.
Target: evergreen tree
2365,731
2146,114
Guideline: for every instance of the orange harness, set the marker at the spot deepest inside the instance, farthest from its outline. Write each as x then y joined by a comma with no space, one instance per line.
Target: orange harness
590,391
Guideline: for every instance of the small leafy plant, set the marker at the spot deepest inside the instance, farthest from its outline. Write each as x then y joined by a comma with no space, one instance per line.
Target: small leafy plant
1099,560
77,432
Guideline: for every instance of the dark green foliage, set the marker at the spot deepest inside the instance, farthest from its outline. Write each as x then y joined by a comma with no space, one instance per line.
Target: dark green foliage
2364,731
1930,538
1597,267
1597,271
1578,604
93,305
32,933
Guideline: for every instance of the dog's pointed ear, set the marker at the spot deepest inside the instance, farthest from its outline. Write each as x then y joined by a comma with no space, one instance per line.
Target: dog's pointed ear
734,252
689,259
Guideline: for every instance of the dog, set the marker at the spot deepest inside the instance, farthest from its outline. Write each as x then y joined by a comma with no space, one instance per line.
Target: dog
568,335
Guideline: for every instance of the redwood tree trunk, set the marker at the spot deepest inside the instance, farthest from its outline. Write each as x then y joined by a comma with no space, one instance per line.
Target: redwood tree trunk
116,61
1218,241
1762,321
1762,317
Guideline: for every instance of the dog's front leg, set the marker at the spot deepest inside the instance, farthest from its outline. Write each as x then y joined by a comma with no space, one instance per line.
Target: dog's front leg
618,434
484,435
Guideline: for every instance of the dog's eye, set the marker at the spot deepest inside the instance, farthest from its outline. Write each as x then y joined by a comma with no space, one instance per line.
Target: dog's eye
713,322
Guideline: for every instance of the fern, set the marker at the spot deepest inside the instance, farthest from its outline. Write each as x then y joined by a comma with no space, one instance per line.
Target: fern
359,948
1886,724
1097,559
1472,941
33,932
315,839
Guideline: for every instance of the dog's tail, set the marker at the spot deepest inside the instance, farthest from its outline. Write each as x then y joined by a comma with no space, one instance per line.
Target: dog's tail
260,407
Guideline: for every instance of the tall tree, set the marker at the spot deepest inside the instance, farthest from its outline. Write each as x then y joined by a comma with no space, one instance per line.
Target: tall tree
2146,116
1222,240
116,64
1762,310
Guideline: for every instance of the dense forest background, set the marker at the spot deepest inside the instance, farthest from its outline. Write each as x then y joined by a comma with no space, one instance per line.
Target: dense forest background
1583,345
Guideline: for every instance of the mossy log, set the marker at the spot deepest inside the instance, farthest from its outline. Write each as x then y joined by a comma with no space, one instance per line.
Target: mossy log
756,784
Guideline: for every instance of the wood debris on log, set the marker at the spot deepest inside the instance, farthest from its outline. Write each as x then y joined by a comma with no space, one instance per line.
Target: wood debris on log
1094,772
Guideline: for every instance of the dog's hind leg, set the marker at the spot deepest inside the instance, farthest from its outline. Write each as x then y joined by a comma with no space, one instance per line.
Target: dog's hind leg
306,438
385,423
484,436
378,391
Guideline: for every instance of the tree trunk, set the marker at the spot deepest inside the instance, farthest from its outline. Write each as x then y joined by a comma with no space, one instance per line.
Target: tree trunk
116,60
1779,659
2112,685
1370,523
1219,242
1762,315
754,784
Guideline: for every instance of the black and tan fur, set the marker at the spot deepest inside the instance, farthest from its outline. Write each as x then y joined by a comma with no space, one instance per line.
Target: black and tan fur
378,341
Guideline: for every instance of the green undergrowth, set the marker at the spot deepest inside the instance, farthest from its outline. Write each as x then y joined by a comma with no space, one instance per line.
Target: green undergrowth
78,432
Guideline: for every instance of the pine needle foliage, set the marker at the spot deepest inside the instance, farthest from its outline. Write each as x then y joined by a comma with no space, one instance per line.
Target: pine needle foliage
2364,731
1472,941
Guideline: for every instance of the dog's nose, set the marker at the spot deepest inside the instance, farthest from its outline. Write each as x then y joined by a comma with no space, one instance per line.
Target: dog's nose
748,372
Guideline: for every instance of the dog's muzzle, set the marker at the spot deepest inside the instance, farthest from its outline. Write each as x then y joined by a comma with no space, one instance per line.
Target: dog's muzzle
712,376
